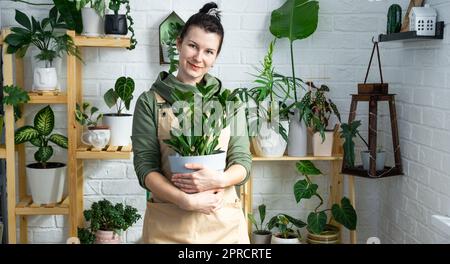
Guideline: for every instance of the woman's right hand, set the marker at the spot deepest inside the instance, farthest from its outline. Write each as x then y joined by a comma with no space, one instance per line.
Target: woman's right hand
204,202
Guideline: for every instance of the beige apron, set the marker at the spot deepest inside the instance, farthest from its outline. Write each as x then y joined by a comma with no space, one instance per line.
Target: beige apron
167,223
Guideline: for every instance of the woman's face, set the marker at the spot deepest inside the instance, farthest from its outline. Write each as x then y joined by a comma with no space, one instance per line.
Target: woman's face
198,52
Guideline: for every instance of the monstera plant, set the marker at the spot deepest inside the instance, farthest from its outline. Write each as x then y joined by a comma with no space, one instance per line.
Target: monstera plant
46,179
120,123
295,19
343,213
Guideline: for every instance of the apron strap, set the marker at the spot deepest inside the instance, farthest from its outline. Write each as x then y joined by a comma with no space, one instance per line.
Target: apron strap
159,99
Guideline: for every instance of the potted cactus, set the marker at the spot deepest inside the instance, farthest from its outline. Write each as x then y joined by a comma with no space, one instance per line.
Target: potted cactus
120,123
46,179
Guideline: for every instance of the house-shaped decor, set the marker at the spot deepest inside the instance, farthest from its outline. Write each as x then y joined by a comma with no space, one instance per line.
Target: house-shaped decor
168,30
423,20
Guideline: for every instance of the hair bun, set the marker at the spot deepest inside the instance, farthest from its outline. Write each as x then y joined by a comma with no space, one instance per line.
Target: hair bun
205,9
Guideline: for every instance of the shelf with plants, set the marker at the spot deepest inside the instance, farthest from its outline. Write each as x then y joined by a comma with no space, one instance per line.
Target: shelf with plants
412,35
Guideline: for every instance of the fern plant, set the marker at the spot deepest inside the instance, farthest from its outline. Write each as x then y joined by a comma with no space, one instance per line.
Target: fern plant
343,213
121,95
40,135
198,134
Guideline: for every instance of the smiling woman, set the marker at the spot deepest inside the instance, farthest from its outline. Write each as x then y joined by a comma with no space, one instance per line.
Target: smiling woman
200,206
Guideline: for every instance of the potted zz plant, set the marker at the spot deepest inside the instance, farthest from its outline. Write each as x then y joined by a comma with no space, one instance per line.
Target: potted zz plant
350,131
92,14
97,135
262,234
196,140
51,44
120,123
106,222
319,231
116,24
316,110
46,179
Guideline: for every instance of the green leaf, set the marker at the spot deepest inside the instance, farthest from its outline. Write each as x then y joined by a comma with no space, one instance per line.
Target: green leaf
24,134
110,98
346,215
23,19
317,222
70,14
252,219
59,140
124,88
36,142
295,19
306,167
304,190
44,121
43,154
296,222
262,212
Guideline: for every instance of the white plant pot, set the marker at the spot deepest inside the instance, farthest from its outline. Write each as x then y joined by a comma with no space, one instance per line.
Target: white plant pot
45,79
298,137
324,148
381,157
268,142
277,240
93,24
261,238
96,137
214,162
121,127
46,185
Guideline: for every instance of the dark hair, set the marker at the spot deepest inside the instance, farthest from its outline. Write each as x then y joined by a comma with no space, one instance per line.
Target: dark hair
208,20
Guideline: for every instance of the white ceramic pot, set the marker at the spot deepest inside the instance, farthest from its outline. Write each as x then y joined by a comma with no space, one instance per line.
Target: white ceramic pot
324,148
261,238
46,185
298,137
121,127
381,157
97,137
268,142
215,162
45,79
277,240
93,24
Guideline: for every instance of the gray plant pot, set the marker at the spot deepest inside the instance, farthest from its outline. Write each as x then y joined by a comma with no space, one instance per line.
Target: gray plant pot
298,137
261,238
214,162
381,156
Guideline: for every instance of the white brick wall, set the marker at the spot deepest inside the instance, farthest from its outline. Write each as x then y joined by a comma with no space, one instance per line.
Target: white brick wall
397,209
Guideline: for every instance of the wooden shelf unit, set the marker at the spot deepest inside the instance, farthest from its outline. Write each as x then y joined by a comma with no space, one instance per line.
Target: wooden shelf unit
71,205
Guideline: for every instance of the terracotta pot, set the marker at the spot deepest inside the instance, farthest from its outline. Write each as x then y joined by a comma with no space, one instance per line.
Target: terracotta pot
106,237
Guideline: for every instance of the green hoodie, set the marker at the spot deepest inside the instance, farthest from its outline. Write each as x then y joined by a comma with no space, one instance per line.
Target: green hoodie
147,157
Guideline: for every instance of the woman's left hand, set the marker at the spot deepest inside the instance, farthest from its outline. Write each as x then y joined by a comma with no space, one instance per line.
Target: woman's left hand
198,181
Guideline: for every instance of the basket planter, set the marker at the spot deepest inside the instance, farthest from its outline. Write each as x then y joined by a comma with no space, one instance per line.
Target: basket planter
46,185
329,236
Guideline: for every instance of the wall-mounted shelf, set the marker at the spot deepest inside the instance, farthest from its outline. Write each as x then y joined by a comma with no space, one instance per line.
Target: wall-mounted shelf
412,35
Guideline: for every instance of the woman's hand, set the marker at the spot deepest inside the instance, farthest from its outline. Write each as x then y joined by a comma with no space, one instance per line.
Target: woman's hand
204,202
202,179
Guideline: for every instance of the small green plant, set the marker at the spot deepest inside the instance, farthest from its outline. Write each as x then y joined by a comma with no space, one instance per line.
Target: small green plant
40,135
348,132
316,109
103,215
260,230
14,96
87,119
344,213
98,5
173,32
43,35
114,5
285,225
198,134
121,95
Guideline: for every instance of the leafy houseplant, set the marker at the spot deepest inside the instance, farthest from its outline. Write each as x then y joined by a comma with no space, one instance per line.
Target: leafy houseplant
86,118
117,24
45,37
262,233
104,216
173,33
43,176
97,135
120,123
344,213
14,96
197,137
285,225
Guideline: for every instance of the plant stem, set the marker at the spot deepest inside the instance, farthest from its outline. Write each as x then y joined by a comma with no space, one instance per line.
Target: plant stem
293,72
321,202
30,3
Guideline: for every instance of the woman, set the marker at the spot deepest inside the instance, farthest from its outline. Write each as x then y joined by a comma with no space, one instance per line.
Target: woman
198,207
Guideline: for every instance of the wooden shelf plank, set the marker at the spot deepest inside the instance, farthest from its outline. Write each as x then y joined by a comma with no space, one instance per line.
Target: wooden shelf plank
106,41
2,152
47,98
108,152
412,35
27,207
287,158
